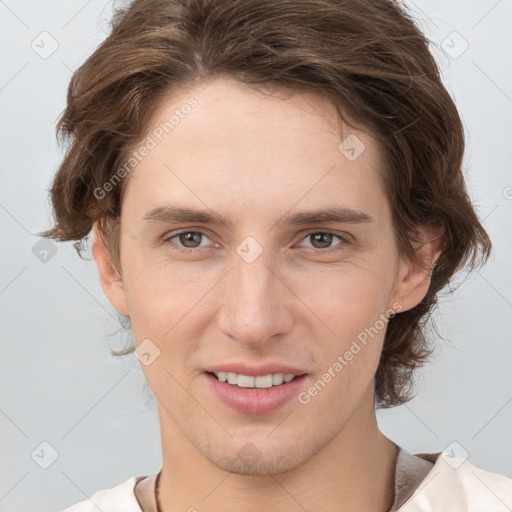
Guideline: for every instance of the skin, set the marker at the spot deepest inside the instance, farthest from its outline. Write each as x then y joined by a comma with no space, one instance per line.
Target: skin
255,158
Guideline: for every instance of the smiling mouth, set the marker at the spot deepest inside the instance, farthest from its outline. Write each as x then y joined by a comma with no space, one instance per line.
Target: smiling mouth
254,382
255,394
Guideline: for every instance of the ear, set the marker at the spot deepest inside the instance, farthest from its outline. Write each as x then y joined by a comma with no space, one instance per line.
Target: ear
110,279
413,279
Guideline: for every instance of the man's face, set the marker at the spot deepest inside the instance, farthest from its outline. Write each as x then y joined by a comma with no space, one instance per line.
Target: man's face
263,290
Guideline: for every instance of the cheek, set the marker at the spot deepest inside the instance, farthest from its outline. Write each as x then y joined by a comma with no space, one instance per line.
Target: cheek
349,343
347,298
348,304
149,275
346,377
165,297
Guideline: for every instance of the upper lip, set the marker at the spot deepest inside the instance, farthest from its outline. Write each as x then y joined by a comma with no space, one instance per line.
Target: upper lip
256,370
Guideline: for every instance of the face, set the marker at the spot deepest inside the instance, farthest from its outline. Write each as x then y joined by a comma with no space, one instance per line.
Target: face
266,291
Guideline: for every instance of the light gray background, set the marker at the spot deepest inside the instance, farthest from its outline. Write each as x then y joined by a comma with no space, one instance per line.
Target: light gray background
59,384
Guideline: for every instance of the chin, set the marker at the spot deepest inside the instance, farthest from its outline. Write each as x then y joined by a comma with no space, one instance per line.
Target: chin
261,467
249,460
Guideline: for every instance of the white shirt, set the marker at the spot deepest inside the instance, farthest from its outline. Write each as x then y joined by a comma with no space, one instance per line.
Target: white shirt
423,483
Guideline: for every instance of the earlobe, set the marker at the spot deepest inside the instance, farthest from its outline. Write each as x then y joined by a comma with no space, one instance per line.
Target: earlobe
414,275
110,279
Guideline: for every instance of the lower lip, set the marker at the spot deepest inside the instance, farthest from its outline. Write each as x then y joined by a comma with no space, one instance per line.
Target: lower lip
255,401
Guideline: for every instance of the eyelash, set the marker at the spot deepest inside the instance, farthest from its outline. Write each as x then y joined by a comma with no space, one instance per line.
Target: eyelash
344,241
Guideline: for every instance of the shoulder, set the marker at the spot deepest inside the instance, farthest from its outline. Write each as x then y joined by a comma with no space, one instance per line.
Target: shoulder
119,499
455,485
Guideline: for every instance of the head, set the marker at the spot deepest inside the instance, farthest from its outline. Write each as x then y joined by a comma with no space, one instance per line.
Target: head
253,111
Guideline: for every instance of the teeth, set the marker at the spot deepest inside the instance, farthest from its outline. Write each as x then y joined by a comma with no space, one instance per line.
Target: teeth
263,381
249,381
245,381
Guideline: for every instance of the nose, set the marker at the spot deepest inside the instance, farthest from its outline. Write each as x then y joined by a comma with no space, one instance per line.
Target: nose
257,304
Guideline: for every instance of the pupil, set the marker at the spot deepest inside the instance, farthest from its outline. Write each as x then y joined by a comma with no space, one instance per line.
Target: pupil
326,235
189,237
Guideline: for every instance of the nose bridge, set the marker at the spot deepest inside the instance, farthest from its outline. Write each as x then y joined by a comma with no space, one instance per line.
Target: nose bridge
254,307
253,280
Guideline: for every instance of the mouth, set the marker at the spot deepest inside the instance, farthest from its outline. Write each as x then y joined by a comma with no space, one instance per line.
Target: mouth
255,394
254,382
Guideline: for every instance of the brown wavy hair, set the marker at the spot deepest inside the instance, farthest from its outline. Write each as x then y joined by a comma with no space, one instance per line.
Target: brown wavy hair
365,56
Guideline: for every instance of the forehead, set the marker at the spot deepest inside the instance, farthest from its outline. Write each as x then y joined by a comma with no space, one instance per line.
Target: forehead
225,143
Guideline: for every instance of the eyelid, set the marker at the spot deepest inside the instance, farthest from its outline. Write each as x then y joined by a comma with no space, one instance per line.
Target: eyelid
341,234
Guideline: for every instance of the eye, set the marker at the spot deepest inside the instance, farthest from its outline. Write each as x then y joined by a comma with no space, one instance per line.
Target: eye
324,239
190,240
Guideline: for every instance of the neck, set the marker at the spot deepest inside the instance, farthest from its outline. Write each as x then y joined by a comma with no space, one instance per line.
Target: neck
354,471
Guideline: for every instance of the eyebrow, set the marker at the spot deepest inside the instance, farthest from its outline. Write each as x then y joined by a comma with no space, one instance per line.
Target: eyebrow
340,214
